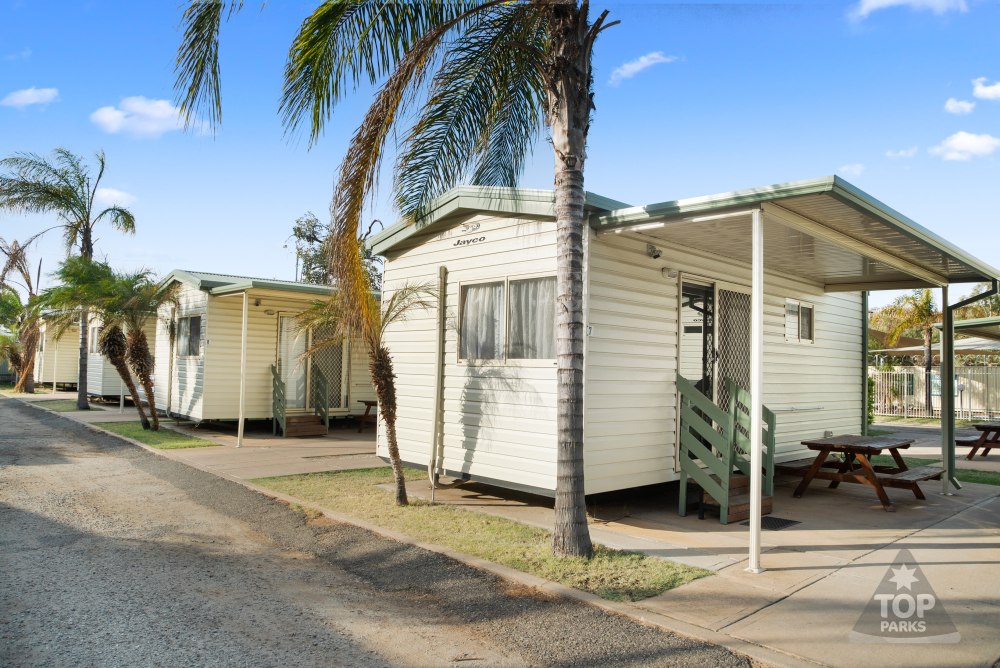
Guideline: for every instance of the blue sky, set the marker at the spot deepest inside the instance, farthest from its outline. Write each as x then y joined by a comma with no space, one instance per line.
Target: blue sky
900,97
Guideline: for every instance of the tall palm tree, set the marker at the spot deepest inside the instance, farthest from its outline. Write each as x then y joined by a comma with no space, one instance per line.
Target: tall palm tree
63,186
95,284
495,73
332,317
15,272
915,311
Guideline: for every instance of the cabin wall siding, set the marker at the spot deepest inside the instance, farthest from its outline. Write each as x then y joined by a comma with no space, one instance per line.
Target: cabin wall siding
184,378
632,360
102,377
60,358
499,418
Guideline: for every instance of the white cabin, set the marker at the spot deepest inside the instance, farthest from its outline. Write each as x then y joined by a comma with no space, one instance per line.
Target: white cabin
57,360
103,379
666,292
199,349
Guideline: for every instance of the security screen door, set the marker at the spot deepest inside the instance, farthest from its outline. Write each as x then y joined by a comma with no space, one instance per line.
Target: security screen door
292,369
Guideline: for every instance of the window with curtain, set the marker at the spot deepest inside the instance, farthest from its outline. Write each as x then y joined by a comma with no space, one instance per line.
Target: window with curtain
95,334
482,322
531,313
189,336
799,321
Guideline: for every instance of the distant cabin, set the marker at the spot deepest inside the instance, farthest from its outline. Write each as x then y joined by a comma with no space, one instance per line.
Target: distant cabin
666,293
57,360
103,379
199,344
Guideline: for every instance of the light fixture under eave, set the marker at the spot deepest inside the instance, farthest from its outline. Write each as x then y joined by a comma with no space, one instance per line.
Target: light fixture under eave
269,312
669,272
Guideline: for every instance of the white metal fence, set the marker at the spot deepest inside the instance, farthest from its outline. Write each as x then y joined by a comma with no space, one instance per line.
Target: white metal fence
901,392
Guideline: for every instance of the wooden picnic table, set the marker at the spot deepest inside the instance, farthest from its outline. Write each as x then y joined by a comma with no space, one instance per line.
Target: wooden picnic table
989,438
368,417
859,450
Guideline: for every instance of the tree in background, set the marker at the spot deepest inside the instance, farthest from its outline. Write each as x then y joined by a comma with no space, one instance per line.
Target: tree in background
912,313
987,307
63,186
491,75
312,252
19,316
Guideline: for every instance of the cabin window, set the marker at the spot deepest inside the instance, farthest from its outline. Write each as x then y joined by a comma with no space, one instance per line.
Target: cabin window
532,319
511,319
95,333
482,321
189,336
799,321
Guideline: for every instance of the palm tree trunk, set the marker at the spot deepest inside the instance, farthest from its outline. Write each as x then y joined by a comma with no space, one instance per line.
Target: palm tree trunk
384,379
122,368
569,104
928,366
28,340
82,402
142,362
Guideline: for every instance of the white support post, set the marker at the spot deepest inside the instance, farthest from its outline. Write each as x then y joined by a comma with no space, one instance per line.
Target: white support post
55,367
947,392
121,396
243,368
756,387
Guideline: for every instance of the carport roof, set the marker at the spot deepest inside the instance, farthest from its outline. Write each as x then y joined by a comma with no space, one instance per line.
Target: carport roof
986,328
222,284
823,230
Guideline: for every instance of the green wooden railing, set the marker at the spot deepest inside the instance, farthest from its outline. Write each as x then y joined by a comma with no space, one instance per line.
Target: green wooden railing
278,404
715,442
321,396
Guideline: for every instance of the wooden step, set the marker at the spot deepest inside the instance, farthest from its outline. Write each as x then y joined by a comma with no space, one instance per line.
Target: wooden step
304,425
739,499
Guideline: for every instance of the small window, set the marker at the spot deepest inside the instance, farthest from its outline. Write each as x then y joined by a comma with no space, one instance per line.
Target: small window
509,320
189,336
95,335
799,321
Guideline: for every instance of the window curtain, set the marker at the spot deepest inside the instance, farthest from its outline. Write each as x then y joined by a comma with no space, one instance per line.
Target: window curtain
183,336
805,323
532,319
482,322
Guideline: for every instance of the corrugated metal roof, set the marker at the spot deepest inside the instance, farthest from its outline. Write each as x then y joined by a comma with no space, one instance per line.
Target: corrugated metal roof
219,284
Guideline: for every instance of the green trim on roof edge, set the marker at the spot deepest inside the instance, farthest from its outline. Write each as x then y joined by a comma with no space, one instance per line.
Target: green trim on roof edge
222,284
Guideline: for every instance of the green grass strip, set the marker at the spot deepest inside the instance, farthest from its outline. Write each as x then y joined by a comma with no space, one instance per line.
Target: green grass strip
164,439
612,574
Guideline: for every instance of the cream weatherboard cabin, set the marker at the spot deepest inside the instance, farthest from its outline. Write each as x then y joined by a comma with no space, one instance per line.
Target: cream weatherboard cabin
57,360
667,292
103,380
201,356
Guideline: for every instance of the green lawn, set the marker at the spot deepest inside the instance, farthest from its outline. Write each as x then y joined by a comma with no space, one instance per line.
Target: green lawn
60,405
963,475
164,439
612,574
898,419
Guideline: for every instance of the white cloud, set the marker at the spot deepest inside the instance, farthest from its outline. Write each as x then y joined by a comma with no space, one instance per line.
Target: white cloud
105,197
960,107
965,145
139,117
901,153
633,67
985,91
864,8
29,96
854,169
23,54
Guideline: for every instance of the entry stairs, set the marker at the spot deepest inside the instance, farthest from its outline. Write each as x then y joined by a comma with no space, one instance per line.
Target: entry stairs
714,451
294,423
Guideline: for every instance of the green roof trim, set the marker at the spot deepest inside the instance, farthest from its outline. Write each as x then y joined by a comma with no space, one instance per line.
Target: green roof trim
987,328
474,199
223,284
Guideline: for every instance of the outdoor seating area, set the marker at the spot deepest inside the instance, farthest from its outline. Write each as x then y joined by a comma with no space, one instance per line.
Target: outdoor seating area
989,438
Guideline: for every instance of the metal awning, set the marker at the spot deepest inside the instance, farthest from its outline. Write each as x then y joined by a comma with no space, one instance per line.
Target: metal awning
824,231
976,345
985,328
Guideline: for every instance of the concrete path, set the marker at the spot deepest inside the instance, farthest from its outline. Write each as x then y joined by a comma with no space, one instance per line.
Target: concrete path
927,443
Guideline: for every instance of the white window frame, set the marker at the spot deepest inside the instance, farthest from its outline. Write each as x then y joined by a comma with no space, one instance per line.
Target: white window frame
798,321
95,333
504,359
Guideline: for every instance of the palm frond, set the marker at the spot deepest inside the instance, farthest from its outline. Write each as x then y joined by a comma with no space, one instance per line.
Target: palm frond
406,299
197,78
345,43
120,218
484,108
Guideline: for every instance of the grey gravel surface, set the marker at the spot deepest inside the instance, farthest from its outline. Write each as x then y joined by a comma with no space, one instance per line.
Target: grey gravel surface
113,556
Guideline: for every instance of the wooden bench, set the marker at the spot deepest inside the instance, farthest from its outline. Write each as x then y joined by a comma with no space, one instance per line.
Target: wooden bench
910,478
368,417
799,467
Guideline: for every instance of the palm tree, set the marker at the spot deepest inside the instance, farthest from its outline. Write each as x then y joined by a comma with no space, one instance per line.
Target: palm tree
332,317
21,347
494,73
96,285
915,311
63,186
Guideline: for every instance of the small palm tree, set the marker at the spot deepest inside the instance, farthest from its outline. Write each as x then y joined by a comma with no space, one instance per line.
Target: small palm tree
63,186
20,348
915,311
495,73
334,317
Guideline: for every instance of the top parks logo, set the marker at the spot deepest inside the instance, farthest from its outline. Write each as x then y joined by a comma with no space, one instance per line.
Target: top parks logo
904,609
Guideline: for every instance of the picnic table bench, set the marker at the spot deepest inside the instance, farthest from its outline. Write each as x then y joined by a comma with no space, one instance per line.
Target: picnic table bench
989,438
858,450
368,417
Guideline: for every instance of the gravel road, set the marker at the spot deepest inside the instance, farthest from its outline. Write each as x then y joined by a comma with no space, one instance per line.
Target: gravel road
112,556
